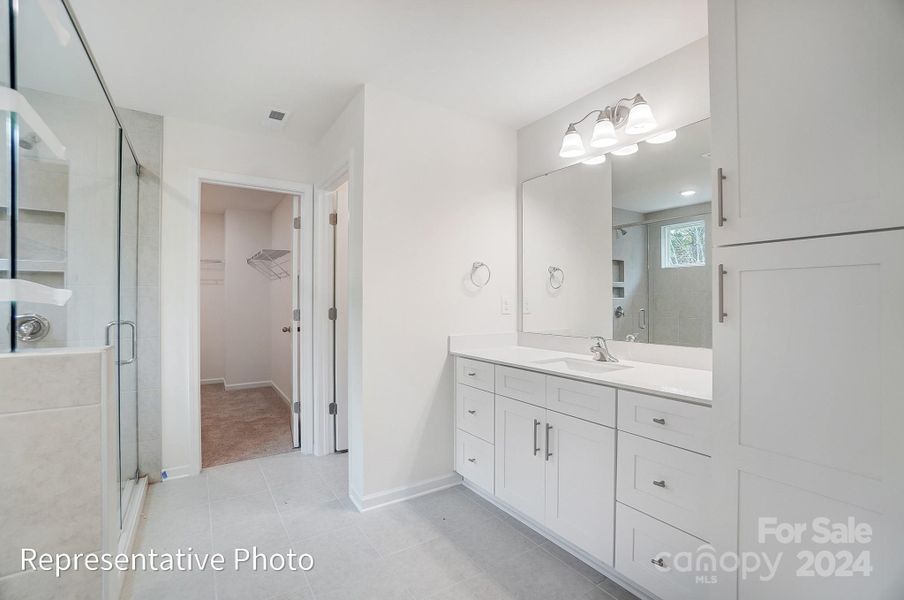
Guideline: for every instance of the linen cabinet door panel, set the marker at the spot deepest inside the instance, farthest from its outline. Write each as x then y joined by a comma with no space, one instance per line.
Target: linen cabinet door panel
807,397
520,466
580,484
806,99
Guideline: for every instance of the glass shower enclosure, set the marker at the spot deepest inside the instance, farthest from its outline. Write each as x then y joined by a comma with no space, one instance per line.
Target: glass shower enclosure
68,206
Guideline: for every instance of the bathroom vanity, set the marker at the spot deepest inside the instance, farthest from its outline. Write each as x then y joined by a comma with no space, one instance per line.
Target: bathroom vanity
601,457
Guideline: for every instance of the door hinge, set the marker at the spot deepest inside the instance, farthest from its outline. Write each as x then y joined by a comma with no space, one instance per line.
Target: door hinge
296,222
296,315
334,218
296,407
334,408
332,314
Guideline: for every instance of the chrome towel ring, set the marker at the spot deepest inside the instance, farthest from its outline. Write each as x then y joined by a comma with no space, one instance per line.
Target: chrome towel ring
475,268
556,277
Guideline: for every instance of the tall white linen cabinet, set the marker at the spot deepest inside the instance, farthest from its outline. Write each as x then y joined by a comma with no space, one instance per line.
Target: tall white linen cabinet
808,392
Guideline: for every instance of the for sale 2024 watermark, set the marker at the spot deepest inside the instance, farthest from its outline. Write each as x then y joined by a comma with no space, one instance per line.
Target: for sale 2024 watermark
820,557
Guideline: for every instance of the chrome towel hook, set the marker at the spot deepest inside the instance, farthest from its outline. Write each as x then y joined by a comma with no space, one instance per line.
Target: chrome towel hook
556,277
475,268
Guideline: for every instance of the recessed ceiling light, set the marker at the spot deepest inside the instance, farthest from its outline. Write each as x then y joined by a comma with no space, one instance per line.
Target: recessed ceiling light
662,138
688,193
595,160
626,150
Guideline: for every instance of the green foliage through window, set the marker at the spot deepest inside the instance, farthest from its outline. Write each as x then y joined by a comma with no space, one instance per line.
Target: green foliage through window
684,245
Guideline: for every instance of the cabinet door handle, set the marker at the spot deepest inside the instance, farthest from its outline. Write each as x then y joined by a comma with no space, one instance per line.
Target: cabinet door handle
536,445
472,460
472,412
722,274
658,562
720,177
660,483
659,420
548,453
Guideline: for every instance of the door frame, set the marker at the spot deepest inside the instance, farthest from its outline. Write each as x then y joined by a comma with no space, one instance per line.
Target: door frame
305,369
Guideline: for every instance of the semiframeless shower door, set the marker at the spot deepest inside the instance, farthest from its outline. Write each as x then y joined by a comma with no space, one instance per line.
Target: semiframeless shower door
127,333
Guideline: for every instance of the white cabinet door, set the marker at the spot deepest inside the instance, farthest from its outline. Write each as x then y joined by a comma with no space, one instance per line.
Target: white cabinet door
520,464
808,407
806,101
580,483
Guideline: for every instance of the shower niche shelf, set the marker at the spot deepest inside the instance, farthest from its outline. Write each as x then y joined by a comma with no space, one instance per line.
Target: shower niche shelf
272,264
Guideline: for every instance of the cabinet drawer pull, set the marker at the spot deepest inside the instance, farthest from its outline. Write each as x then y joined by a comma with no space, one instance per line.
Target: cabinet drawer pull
720,177
536,445
472,460
472,412
658,562
659,420
471,373
660,483
548,453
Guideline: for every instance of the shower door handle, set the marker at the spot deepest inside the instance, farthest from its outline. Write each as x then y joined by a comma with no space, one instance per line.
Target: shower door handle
134,344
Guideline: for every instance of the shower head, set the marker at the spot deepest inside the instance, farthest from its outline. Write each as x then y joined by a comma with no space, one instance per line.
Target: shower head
620,231
29,141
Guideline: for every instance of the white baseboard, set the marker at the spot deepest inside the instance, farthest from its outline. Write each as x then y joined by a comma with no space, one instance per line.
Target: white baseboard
282,394
213,380
247,386
378,499
179,471
606,570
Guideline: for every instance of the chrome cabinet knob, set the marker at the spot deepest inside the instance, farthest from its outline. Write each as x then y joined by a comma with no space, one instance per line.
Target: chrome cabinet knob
660,483
473,460
658,562
659,421
471,373
472,412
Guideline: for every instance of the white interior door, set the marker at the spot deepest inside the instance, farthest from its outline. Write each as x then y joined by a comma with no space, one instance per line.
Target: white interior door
296,322
340,337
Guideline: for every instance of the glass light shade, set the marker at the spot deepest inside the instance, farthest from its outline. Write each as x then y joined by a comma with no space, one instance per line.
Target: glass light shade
603,134
595,160
572,146
640,119
627,150
662,138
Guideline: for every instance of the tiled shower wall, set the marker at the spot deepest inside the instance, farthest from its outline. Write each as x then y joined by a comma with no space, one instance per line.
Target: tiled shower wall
146,133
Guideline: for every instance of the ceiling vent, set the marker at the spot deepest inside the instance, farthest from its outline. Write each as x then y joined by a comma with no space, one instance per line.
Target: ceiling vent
275,119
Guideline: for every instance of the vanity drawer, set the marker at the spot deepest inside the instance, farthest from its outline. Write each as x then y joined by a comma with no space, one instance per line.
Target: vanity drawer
474,411
671,421
518,384
663,481
641,540
474,373
474,460
580,399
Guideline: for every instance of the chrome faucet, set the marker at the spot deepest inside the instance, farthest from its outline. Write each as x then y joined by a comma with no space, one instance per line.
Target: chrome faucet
601,350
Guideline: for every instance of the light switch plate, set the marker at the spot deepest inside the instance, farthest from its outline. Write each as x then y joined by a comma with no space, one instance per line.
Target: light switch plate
525,308
506,305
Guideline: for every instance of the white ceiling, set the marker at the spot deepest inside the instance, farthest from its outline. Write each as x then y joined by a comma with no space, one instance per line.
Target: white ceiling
653,178
510,61
217,198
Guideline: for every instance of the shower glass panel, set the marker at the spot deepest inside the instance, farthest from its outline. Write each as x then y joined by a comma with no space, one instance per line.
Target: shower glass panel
69,206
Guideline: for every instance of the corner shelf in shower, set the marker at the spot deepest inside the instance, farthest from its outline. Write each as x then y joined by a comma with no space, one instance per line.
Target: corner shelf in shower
270,263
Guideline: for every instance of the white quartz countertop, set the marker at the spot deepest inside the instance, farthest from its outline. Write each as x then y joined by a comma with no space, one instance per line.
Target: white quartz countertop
680,383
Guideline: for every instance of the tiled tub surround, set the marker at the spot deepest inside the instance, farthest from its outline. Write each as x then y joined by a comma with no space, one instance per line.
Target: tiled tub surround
448,545
59,491
612,465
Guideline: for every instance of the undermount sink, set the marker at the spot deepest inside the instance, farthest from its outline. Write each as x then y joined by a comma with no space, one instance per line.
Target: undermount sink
580,365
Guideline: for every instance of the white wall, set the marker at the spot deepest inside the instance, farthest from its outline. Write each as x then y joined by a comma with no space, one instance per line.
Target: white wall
430,210
280,308
213,298
187,148
247,312
676,86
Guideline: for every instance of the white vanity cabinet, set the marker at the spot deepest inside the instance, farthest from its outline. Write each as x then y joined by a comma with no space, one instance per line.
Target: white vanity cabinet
806,101
807,372
619,476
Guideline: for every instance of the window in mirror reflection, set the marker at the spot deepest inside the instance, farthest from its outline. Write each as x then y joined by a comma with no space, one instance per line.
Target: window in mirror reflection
683,245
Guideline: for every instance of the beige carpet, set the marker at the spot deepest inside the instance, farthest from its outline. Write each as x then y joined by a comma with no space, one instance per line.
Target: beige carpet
242,424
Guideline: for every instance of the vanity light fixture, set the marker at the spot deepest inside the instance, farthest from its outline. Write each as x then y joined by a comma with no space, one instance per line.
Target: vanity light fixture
662,138
595,160
634,114
626,151
688,193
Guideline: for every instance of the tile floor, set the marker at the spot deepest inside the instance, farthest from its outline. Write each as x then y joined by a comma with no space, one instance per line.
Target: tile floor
449,545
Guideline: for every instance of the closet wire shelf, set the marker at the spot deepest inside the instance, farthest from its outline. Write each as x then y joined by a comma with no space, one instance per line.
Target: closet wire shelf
270,263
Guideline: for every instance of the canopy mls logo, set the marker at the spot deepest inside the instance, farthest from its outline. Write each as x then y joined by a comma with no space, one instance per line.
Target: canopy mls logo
706,564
